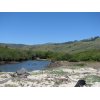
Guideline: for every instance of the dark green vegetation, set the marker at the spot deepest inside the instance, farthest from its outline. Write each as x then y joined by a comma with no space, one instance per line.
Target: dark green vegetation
84,50
7,54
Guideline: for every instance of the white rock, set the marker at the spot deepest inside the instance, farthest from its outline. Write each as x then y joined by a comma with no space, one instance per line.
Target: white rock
96,84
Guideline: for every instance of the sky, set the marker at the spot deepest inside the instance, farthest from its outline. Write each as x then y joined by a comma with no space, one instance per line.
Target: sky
47,27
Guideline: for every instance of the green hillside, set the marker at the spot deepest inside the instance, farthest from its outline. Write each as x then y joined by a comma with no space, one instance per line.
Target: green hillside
84,50
68,47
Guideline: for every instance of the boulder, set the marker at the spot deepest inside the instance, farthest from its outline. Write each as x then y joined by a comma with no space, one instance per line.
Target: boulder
22,73
80,83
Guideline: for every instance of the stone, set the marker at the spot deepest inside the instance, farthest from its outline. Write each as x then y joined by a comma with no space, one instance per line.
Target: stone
21,71
80,83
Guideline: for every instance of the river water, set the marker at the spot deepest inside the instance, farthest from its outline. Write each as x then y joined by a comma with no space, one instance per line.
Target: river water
28,65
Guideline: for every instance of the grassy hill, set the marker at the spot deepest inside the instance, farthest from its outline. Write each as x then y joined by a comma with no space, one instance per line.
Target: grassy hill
83,50
68,47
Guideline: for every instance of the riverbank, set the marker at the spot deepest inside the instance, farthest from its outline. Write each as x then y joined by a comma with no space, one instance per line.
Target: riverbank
8,62
66,75
14,62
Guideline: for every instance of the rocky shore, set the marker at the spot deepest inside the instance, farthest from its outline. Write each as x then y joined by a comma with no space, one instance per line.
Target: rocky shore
62,76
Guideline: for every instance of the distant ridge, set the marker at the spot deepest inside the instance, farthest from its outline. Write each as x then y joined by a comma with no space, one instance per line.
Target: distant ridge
69,47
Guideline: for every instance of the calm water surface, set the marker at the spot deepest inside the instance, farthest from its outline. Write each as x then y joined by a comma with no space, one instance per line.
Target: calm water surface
28,65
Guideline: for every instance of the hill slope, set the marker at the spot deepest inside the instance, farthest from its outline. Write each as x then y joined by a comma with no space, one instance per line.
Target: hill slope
68,47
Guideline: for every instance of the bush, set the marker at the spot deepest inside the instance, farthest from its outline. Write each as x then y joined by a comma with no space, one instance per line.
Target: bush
8,54
91,55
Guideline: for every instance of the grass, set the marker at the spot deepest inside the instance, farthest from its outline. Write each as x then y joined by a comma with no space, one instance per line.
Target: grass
77,66
50,71
3,76
92,78
58,72
37,73
1,73
10,85
80,64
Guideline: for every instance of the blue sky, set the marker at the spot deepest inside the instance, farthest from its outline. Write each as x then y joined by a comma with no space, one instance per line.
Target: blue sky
43,27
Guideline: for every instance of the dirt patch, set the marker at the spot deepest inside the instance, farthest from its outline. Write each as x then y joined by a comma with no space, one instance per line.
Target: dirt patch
95,65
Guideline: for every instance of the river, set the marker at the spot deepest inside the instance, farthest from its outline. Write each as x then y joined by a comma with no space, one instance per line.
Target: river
28,65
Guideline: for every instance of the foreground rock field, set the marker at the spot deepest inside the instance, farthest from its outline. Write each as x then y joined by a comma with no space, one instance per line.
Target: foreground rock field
65,75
